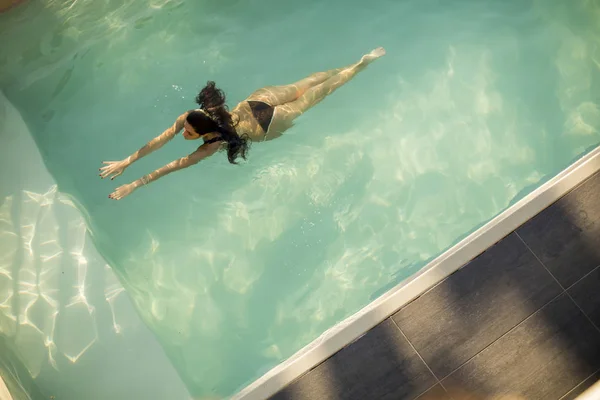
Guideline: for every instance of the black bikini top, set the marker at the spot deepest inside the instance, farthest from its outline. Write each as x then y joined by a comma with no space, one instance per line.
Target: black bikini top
214,140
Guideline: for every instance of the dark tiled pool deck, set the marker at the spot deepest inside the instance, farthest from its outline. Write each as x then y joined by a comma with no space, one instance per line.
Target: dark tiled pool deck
522,318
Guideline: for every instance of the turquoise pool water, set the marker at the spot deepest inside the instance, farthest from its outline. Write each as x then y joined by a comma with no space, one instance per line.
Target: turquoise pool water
235,268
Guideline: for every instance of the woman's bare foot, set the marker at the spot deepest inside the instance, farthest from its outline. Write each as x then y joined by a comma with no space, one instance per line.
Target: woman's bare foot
372,56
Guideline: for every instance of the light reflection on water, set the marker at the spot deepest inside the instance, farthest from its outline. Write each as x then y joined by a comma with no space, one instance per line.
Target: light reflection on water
322,225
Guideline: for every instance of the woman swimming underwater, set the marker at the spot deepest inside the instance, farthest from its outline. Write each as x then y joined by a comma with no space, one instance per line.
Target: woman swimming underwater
264,115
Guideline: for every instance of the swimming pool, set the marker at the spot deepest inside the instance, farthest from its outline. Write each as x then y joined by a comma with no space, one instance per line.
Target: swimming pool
236,268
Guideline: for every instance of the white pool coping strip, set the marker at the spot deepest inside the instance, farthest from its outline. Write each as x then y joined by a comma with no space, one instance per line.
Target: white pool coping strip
358,324
4,393
592,393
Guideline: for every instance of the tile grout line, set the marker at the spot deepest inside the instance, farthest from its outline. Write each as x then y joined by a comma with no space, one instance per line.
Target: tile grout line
585,276
583,312
540,261
504,334
563,291
494,341
562,287
419,355
577,304
566,394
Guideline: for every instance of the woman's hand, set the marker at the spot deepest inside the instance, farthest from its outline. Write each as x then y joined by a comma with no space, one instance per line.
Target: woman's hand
123,191
114,168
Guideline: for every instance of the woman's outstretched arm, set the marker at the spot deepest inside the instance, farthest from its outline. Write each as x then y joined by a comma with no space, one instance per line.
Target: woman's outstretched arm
113,169
204,151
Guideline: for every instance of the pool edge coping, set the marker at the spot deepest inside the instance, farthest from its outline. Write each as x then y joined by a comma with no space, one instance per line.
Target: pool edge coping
356,325
591,393
4,392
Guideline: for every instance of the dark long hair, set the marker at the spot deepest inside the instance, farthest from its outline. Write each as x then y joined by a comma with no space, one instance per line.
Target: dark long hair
217,119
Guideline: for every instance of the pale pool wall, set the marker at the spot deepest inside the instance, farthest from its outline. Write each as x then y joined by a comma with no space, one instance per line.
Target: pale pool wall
64,317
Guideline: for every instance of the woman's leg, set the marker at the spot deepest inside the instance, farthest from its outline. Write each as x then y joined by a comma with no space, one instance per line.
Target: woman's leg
316,93
279,95
276,95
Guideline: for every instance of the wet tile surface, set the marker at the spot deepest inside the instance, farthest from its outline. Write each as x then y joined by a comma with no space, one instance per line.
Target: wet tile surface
566,235
476,305
543,358
380,365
